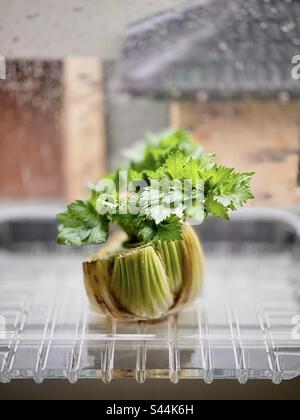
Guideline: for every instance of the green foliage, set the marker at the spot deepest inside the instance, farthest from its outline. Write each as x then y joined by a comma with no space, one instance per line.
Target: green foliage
170,164
157,148
81,225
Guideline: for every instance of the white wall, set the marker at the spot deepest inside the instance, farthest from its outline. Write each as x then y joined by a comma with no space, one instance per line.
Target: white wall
57,28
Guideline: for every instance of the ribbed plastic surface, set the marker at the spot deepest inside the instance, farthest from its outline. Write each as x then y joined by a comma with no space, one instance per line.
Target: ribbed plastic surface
242,328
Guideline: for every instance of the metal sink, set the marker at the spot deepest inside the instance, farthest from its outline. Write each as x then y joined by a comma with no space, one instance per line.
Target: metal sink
242,328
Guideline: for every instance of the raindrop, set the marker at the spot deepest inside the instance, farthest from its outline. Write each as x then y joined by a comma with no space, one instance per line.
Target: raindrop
284,97
264,25
239,65
192,16
287,27
77,9
202,96
176,93
32,16
192,24
223,46
45,151
163,31
25,176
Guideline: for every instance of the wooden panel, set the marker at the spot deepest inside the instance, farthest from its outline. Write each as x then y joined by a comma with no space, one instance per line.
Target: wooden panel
30,142
251,136
84,125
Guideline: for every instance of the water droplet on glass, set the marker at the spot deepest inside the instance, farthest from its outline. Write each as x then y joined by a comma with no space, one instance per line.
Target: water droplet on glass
296,41
264,25
239,65
223,46
77,9
284,97
31,16
202,96
287,27
176,93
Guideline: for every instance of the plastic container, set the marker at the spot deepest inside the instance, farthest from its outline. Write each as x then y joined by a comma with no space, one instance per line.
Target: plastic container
245,327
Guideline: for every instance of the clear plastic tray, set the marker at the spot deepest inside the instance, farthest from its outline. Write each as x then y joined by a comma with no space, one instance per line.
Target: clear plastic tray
242,328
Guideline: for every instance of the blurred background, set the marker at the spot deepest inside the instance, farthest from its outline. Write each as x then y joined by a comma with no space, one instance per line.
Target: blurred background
86,79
